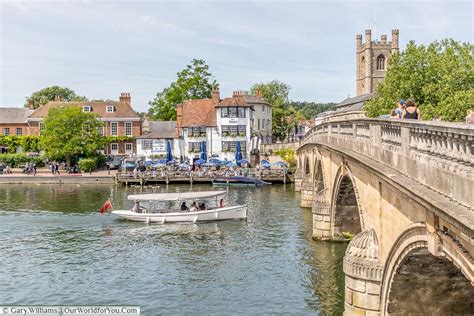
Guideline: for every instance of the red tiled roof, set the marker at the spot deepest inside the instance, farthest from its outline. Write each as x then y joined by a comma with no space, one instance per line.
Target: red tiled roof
197,113
122,109
241,100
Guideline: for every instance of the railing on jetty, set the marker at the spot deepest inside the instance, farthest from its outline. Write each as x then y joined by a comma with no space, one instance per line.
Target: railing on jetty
175,176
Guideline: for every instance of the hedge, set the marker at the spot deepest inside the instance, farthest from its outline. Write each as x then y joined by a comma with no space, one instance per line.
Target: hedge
16,160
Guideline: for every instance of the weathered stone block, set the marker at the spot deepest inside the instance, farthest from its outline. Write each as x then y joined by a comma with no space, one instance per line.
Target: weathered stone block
372,288
366,301
355,284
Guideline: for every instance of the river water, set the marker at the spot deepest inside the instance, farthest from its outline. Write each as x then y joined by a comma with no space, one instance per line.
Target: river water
56,249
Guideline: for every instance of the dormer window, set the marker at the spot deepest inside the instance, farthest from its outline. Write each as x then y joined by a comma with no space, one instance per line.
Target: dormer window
110,108
86,108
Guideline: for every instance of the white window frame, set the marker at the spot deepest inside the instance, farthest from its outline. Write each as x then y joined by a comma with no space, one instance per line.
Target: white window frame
112,125
88,107
128,152
6,131
147,144
112,151
110,109
19,131
263,108
130,125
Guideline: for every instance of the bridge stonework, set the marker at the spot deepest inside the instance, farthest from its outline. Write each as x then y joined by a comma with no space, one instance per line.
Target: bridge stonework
404,192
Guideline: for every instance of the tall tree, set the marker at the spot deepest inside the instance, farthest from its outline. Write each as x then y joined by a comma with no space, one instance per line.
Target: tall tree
50,93
440,77
283,114
193,82
69,132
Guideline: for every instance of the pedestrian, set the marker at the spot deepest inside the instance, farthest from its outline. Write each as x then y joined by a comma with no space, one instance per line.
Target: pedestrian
394,114
411,112
470,117
400,108
34,169
52,166
56,167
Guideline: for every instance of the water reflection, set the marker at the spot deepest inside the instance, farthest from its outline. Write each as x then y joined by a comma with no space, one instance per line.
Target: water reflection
73,255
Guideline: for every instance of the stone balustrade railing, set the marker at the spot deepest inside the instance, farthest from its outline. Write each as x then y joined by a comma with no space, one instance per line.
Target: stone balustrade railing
437,154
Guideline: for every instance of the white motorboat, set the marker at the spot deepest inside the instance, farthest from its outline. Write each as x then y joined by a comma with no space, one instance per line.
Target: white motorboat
179,207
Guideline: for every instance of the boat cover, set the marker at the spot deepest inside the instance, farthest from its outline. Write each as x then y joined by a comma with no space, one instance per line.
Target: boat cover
175,196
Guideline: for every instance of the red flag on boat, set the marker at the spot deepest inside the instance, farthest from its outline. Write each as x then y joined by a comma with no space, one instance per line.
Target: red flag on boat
106,206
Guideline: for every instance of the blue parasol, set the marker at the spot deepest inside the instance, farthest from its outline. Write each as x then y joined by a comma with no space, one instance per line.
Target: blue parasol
215,161
203,151
265,163
199,162
280,164
169,156
231,164
243,161
238,152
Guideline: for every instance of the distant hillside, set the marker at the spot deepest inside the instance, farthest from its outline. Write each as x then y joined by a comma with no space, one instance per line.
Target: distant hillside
312,109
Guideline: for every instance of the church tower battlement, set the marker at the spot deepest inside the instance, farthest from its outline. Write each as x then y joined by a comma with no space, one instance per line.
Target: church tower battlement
371,60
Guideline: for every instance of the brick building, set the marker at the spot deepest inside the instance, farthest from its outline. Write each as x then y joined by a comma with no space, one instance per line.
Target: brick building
119,118
13,121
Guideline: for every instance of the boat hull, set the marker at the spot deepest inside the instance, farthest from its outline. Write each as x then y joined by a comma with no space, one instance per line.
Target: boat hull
239,181
231,212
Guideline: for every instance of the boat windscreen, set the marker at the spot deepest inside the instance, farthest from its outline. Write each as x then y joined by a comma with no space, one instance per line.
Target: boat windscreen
175,196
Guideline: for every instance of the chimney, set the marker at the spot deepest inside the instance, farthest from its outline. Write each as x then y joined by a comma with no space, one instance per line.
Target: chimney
57,98
383,39
125,97
216,95
235,94
31,104
259,93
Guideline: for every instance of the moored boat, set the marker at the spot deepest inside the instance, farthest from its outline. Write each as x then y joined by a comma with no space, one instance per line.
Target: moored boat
164,208
239,181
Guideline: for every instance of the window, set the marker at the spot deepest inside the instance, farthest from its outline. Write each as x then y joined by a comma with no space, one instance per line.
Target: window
128,148
224,112
6,131
381,62
197,132
100,130
86,108
114,148
263,108
241,112
258,124
232,146
233,130
41,127
232,112
110,108
194,147
19,131
147,144
114,128
128,128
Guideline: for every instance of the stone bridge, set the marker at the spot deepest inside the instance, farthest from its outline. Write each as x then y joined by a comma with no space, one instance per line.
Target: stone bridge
404,190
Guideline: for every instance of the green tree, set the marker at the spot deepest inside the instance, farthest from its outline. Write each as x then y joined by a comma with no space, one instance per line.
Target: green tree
47,94
284,115
193,82
69,133
440,77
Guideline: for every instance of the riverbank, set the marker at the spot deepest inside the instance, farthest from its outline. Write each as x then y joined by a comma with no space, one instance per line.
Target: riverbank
42,177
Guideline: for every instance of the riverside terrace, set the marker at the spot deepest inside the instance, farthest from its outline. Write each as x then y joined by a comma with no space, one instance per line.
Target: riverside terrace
201,176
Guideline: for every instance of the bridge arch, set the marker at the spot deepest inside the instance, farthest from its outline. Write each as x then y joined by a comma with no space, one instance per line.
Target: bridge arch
346,215
437,285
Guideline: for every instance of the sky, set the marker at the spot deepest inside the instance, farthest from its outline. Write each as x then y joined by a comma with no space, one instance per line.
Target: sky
102,48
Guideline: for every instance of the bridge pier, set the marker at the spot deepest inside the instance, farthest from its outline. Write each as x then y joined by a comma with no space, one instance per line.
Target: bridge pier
307,192
363,275
298,180
321,221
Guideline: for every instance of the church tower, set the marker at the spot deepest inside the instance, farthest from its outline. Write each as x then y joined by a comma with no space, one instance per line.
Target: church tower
371,60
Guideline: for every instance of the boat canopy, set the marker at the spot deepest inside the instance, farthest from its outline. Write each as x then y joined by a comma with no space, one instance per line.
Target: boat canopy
175,196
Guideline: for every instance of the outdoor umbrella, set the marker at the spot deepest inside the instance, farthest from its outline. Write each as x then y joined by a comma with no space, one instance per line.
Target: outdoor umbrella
199,162
280,164
203,151
215,161
231,164
243,161
169,156
238,152
265,163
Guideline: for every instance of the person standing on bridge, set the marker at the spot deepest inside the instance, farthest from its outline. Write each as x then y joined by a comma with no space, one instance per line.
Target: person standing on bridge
400,108
411,112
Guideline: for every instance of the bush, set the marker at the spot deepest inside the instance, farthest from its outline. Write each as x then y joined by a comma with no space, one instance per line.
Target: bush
16,160
87,164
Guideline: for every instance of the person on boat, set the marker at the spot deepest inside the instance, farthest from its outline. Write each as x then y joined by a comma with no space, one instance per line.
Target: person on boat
137,208
193,207
184,207
221,203
202,206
